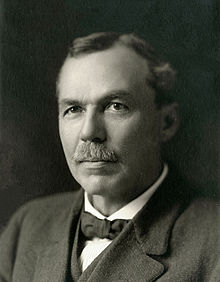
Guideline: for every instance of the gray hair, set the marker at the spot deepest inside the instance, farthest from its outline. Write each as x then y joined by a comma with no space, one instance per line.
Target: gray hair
163,76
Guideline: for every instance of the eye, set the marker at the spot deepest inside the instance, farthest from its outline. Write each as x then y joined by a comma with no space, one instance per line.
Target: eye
73,110
117,107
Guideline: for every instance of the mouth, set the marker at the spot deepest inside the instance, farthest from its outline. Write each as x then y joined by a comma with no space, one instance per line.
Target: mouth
95,161
95,164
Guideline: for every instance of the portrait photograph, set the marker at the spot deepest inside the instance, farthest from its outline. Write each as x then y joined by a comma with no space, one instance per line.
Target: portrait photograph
109,141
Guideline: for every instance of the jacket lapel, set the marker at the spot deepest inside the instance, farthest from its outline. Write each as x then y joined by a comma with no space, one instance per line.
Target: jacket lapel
52,263
154,223
134,254
124,260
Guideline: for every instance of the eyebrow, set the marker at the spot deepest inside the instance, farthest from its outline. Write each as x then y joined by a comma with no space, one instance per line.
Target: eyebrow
115,94
67,102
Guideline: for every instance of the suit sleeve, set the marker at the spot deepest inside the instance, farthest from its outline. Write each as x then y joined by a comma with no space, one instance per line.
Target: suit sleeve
9,240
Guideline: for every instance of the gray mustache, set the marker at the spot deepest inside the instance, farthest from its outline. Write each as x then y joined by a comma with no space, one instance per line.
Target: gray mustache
93,152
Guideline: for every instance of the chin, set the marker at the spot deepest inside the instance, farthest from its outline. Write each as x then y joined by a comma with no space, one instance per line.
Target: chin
97,185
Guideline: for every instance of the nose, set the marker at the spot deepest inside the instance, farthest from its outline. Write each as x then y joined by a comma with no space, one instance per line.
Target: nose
93,128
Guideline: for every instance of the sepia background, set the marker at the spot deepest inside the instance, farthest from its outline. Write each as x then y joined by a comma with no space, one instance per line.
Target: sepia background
34,40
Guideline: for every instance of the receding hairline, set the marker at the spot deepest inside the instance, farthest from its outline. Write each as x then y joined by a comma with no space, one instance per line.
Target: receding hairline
142,64
162,74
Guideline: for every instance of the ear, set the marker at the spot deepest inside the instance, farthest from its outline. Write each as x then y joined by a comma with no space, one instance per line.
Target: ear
170,121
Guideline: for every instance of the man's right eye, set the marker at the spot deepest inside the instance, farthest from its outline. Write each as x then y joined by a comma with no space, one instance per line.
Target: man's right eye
73,110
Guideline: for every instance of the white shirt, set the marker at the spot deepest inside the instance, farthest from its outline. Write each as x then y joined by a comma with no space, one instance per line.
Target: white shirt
95,246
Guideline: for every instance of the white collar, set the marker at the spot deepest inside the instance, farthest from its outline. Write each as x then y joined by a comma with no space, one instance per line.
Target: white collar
131,209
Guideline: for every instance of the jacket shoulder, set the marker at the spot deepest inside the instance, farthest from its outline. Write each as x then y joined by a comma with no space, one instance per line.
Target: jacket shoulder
50,203
202,211
42,211
32,226
198,227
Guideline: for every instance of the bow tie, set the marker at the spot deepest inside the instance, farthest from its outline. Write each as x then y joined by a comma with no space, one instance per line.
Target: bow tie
92,226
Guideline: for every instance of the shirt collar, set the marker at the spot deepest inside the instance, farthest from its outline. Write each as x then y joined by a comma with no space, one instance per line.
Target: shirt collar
132,208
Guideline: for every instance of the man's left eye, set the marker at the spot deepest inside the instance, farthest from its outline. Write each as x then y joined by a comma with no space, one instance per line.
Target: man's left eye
117,107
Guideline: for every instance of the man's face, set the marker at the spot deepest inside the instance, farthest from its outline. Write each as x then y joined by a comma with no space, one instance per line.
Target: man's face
105,103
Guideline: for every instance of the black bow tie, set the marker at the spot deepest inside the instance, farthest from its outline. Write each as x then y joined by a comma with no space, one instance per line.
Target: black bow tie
92,227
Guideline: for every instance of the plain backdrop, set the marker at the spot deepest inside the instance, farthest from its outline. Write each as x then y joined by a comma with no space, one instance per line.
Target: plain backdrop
34,41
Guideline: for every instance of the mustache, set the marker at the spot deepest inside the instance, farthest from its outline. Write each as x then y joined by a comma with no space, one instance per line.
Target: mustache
94,152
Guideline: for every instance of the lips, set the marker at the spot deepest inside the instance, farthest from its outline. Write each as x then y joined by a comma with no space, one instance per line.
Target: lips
95,165
95,160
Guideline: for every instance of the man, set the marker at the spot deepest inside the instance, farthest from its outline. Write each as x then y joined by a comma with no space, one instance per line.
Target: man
134,219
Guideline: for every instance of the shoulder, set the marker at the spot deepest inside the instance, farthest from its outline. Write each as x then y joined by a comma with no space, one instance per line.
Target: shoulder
33,226
43,210
198,227
197,222
41,217
194,206
201,212
50,204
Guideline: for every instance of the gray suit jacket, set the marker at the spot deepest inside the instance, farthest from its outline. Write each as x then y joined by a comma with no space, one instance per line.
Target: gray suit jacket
175,237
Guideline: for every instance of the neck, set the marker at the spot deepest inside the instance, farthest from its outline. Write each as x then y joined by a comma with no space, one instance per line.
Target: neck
105,205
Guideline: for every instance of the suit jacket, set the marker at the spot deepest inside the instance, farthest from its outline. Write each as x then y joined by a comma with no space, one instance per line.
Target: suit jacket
175,237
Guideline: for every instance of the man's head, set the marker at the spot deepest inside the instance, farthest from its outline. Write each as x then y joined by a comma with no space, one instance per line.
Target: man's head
114,113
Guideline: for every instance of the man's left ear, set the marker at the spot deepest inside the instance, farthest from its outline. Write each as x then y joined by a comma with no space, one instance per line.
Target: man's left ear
170,121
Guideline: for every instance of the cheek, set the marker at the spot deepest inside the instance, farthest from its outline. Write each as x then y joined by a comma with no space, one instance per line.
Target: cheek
135,136
131,131
69,138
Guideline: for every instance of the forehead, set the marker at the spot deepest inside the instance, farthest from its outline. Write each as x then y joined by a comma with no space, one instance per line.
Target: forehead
118,68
